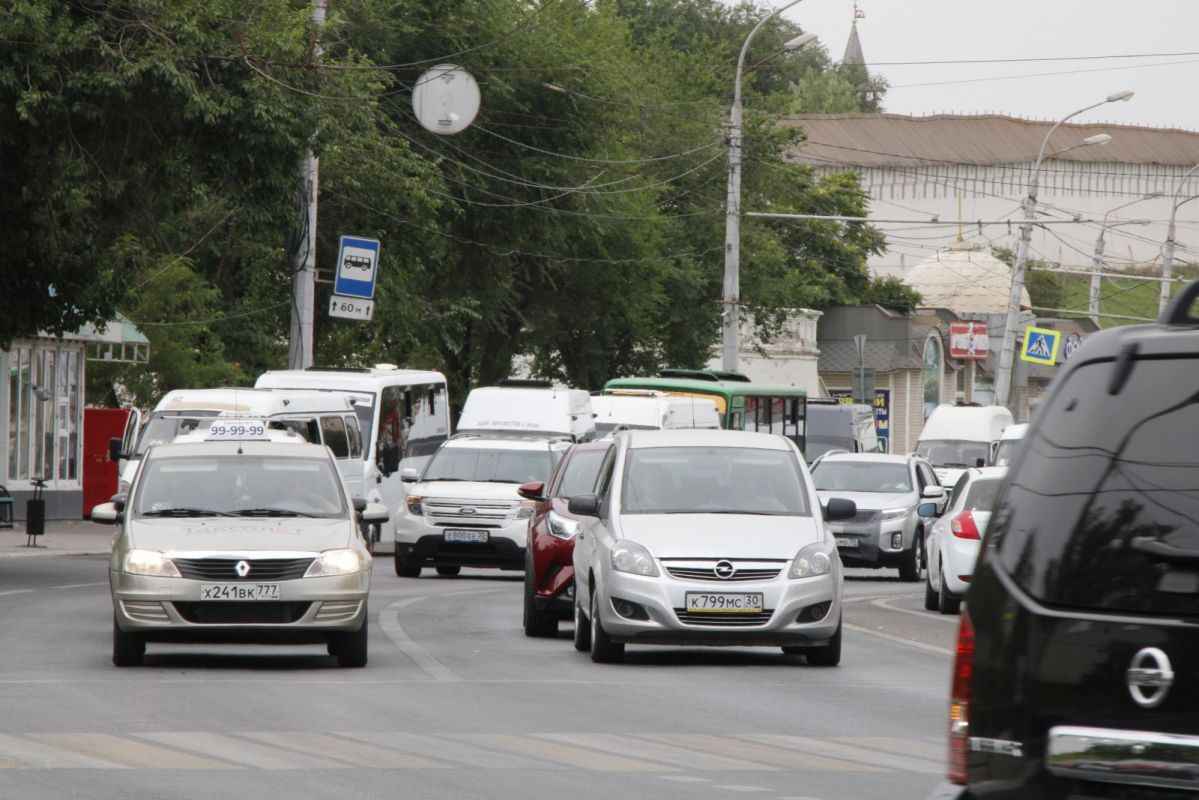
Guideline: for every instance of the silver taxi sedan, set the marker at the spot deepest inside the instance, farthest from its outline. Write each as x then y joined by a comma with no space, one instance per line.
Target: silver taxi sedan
239,541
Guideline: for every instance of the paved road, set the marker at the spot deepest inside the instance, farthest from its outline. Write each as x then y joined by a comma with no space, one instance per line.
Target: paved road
457,703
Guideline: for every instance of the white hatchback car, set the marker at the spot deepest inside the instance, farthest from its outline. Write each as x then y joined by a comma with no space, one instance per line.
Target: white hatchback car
698,537
955,539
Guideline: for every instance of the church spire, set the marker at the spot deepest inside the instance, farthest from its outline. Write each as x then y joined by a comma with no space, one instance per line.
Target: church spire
853,48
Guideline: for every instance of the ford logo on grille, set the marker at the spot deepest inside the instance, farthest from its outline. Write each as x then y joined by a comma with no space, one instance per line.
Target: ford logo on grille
467,511
242,569
724,570
1150,677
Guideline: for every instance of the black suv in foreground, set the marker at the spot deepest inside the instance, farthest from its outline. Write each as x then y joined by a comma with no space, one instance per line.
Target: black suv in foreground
1077,665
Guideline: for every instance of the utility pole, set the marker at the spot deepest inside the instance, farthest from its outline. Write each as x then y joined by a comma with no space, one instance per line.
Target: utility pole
303,306
1007,353
1168,257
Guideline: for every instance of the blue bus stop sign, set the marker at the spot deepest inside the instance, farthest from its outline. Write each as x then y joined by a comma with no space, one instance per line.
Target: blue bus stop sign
357,267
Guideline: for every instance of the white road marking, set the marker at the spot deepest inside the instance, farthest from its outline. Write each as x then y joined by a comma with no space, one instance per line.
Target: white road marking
899,639
563,754
856,752
684,779
892,744
654,751
448,747
741,789
240,751
79,585
739,747
389,621
39,755
128,752
886,604
14,591
363,754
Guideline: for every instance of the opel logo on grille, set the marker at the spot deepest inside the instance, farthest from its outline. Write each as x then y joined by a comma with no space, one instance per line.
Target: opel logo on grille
242,569
466,511
1150,677
724,570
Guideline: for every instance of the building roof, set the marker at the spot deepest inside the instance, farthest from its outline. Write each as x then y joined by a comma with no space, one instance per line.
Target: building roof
965,280
880,140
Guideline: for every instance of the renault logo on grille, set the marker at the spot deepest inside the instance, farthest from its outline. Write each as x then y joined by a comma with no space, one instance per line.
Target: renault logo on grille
242,569
466,511
724,570
1150,677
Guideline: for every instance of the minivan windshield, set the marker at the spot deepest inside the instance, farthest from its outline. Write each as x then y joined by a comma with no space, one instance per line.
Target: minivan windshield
862,476
1104,512
165,426
238,485
953,452
489,465
713,480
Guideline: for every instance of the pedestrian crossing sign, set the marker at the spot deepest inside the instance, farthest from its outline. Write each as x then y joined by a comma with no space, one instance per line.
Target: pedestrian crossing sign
1040,346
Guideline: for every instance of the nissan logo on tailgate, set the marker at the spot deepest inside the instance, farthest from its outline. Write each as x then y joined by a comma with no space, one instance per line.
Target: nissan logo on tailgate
1150,677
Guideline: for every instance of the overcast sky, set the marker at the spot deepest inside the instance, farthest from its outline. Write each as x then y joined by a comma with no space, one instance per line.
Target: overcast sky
1167,93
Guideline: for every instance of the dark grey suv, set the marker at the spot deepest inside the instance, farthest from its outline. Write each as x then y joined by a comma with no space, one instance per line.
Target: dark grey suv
1077,659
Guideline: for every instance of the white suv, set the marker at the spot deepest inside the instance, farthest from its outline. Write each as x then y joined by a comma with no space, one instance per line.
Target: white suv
463,510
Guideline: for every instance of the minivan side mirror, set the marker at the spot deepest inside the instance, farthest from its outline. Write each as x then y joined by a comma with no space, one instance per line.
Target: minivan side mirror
374,512
927,509
839,508
583,505
933,492
410,475
994,450
114,449
534,490
389,458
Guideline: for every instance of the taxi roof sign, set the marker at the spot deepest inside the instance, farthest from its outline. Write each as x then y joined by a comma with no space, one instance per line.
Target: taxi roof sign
1041,346
237,429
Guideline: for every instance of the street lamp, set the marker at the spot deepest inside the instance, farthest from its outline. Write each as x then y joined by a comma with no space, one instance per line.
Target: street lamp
1168,258
1097,261
1003,375
730,315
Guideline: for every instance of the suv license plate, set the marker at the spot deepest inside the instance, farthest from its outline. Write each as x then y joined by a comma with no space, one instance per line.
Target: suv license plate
476,537
239,591
712,603
846,541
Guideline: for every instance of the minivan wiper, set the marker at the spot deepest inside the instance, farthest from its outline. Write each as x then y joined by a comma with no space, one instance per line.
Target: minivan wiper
185,512
271,511
1160,551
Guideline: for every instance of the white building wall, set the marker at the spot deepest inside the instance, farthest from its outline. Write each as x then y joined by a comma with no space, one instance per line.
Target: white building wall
787,359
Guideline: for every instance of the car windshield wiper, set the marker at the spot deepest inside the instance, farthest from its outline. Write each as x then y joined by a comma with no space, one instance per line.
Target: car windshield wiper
955,464
185,512
447,480
271,511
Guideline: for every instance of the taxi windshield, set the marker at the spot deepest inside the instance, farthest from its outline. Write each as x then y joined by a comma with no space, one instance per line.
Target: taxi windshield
239,485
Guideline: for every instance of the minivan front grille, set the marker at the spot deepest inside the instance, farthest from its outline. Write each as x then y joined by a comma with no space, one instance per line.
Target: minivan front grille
260,569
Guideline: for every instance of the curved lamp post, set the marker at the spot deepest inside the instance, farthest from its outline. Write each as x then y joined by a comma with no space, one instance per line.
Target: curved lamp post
1168,258
1097,260
730,314
1003,375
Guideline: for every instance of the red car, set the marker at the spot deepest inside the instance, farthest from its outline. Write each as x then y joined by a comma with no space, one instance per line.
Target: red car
549,570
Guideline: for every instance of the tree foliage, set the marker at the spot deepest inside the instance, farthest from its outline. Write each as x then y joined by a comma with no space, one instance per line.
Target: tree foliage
578,223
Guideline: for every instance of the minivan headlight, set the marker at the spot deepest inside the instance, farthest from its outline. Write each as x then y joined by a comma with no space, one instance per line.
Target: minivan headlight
336,562
150,562
815,559
633,558
893,514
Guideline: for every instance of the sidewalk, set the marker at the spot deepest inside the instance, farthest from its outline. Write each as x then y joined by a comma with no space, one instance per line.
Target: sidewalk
81,537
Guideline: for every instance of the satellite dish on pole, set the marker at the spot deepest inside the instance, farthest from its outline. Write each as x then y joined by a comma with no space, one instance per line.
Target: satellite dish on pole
446,99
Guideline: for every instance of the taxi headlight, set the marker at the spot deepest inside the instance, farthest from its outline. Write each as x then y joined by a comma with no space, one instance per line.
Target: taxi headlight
150,562
560,527
893,514
633,558
336,562
813,560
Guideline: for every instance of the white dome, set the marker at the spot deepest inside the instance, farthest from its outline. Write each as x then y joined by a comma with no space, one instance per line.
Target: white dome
966,281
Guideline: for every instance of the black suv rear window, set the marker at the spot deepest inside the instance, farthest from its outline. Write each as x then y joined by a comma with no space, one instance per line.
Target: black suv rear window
1103,508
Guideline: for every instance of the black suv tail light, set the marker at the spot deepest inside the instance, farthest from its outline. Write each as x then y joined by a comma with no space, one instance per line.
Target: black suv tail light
959,701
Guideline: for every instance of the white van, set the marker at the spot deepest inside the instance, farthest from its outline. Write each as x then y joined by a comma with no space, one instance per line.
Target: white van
957,437
317,417
1004,449
527,408
404,414
644,409
833,426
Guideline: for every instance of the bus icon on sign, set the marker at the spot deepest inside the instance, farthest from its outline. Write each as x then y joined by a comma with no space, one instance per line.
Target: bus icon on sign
357,262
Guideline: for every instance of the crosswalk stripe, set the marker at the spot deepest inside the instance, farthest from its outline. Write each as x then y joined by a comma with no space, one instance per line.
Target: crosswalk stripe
858,752
361,753
447,748
38,755
655,751
241,751
127,752
761,753
915,748
564,754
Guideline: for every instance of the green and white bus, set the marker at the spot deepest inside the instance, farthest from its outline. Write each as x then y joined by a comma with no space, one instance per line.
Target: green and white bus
743,405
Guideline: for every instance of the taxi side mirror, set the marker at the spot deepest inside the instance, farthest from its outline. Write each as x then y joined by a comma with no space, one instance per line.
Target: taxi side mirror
106,514
583,505
410,475
389,458
374,512
839,508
